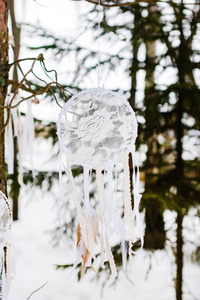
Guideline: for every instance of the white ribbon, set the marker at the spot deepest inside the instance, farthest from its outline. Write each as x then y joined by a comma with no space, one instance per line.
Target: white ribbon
137,198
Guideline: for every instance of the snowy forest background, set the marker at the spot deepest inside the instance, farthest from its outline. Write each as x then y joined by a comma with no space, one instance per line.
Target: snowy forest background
150,53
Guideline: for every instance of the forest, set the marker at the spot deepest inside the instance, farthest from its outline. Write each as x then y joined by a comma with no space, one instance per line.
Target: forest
146,52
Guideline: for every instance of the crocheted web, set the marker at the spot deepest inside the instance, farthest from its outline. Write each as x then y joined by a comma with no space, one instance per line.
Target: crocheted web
97,127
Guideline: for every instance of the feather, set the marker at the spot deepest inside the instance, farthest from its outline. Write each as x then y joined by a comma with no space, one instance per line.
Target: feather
86,253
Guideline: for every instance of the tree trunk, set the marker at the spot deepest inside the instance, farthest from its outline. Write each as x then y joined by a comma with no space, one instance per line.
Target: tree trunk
15,186
3,91
135,47
179,159
179,256
3,85
16,37
155,235
134,69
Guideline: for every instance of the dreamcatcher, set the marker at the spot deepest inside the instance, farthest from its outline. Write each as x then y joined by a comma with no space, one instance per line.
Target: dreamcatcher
5,225
97,130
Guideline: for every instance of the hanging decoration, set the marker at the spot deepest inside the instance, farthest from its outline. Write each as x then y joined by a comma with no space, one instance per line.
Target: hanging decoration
5,225
97,130
23,131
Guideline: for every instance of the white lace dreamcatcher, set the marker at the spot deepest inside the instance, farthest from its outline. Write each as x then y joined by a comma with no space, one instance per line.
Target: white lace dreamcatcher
5,225
97,130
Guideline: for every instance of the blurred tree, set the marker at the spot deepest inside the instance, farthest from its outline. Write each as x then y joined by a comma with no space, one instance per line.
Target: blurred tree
174,181
155,235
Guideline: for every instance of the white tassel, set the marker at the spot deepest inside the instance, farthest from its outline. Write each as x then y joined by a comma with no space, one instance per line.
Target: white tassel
104,237
85,224
87,207
137,198
124,254
127,201
101,197
120,229
110,206
28,135
76,202
60,200
10,148
110,258
18,133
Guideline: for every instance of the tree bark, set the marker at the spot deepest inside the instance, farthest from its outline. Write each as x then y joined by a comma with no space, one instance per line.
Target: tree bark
155,235
16,37
179,159
179,256
134,65
3,91
3,85
15,186
134,70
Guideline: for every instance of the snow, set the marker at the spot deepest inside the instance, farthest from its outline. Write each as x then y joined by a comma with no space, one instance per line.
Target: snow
151,276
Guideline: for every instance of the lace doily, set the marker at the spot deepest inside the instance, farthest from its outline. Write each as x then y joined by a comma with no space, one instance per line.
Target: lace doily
97,129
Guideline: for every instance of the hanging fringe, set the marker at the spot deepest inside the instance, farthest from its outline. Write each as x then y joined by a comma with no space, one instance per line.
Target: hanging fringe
87,228
77,204
18,133
10,148
124,254
137,198
86,181
110,221
60,200
107,217
111,258
101,197
127,201
110,211
28,135
24,135
105,246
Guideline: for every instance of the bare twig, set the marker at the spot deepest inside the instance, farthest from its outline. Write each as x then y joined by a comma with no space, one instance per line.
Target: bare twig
33,93
18,61
37,290
136,2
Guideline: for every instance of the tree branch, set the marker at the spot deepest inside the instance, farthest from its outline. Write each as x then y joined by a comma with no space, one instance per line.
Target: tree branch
33,93
135,3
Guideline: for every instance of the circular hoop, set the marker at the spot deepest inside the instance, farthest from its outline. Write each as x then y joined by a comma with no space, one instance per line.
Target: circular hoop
96,127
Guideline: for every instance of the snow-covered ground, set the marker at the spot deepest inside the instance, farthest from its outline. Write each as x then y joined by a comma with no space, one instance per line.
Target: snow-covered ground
152,275
151,278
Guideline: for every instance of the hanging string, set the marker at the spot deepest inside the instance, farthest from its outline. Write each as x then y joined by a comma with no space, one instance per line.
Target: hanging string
98,49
